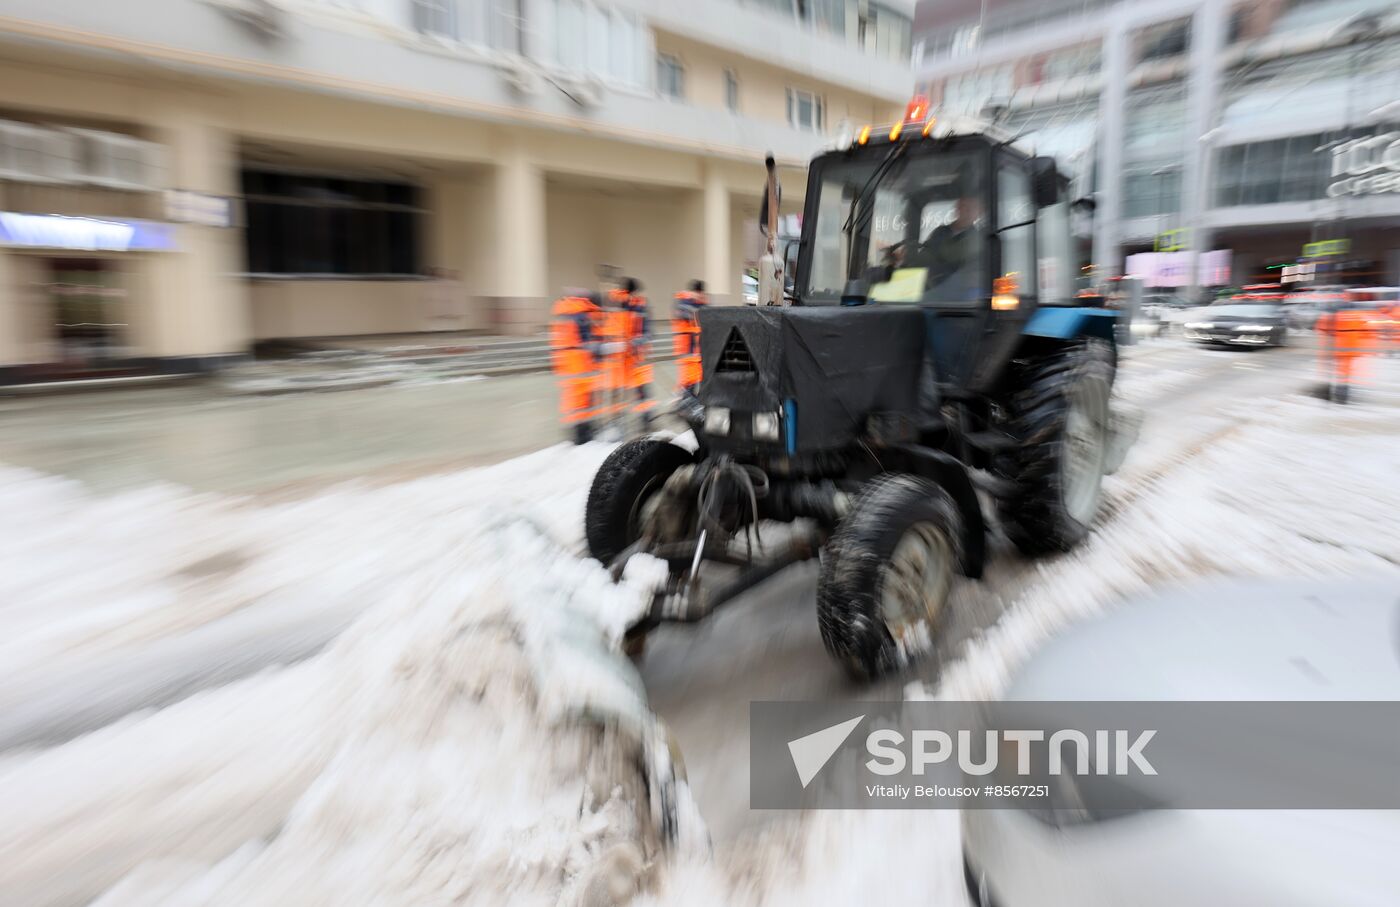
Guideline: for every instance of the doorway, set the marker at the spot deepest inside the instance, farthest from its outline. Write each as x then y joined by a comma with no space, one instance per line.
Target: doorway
88,301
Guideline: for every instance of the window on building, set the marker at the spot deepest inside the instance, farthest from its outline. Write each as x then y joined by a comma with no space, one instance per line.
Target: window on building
1084,59
1263,173
827,15
435,17
670,77
969,93
1154,124
731,91
506,25
586,38
1164,40
882,31
1152,192
328,225
805,110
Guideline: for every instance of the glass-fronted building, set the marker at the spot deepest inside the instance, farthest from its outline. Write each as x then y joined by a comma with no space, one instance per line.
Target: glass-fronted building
1258,127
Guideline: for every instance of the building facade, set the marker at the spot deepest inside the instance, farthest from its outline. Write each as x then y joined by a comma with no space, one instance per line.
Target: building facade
1266,129
182,179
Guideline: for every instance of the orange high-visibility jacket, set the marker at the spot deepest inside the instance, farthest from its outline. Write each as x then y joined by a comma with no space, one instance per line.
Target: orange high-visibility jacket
1349,329
686,343
573,341
573,335
631,316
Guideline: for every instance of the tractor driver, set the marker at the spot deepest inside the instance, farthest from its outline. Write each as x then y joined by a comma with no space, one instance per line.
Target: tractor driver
952,253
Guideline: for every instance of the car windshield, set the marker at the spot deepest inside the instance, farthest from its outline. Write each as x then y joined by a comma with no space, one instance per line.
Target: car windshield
1247,311
921,215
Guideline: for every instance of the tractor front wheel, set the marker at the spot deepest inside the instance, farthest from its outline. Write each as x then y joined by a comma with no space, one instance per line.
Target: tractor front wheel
1059,412
627,479
887,573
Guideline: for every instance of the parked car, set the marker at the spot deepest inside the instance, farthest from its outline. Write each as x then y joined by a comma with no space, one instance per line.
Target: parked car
1238,640
1238,324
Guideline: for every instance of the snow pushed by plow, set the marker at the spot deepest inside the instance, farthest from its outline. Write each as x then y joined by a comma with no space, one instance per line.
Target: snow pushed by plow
402,694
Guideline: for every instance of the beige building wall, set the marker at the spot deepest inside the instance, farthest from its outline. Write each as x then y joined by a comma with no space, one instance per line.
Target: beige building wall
515,213
647,235
763,88
330,308
25,310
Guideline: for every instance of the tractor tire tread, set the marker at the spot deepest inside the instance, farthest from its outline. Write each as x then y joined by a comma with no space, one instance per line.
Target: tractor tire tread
624,475
848,591
1034,517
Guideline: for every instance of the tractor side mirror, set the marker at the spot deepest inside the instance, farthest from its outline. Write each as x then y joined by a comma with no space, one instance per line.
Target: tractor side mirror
790,257
1045,179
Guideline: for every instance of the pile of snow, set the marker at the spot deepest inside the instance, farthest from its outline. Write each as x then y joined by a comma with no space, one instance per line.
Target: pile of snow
371,695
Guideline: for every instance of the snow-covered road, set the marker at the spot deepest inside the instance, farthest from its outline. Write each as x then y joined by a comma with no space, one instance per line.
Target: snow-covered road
339,698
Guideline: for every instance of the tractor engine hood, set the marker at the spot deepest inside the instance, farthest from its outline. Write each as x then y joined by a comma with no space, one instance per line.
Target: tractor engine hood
824,370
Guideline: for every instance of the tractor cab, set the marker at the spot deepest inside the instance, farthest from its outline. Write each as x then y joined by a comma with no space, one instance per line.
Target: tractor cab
955,220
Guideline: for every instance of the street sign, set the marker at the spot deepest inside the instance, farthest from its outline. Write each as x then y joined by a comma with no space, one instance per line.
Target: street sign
1326,248
1172,240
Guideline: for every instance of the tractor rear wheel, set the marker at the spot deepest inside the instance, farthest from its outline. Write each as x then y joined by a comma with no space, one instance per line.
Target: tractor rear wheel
1058,410
627,479
887,573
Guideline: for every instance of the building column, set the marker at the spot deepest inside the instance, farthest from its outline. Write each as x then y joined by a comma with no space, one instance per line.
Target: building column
520,297
1202,101
11,347
1108,210
719,272
198,305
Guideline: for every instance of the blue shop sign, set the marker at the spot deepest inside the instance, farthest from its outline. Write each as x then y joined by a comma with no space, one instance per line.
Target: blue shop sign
86,234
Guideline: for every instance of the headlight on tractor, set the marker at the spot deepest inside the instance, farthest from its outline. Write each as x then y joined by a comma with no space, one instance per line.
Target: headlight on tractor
765,426
717,420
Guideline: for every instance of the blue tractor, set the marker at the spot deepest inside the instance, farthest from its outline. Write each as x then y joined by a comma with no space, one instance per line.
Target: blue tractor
930,373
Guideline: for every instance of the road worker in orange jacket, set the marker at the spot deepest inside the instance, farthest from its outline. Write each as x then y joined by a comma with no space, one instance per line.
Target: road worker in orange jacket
686,337
636,334
1347,335
574,341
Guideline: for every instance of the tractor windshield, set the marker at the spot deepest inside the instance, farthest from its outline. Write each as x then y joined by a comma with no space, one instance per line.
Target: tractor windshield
912,223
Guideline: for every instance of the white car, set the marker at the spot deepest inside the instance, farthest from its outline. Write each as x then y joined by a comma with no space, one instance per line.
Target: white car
1231,640
750,290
